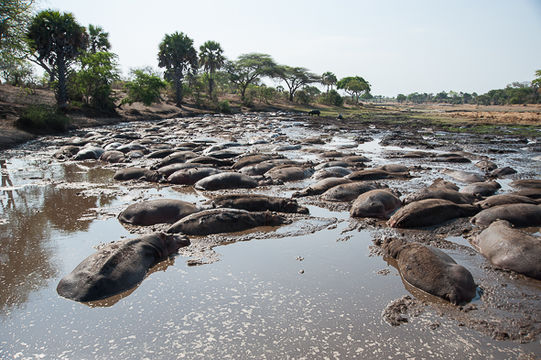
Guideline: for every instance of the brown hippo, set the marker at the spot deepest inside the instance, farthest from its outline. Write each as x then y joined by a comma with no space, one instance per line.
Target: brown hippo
532,193
526,183
137,174
504,199
176,157
288,173
263,167
521,215
349,191
89,153
160,154
440,193
118,266
486,188
67,152
256,202
376,174
191,176
321,186
439,183
429,212
377,203
226,180
510,249
333,171
159,211
215,221
209,160
395,168
500,172
464,176
486,165
251,160
112,156
431,270
167,170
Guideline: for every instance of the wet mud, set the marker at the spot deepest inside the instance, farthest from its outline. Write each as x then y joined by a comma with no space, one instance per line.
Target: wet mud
318,286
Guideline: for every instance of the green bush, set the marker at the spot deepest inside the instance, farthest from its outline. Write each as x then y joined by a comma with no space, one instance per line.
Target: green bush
332,98
223,107
146,87
43,118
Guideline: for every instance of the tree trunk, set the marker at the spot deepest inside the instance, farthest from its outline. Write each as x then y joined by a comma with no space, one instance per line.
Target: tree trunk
211,85
61,91
178,89
291,93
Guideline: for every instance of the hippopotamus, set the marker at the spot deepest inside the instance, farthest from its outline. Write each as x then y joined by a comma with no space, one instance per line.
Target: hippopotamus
176,157
431,270
167,170
256,202
377,203
314,112
510,249
112,156
532,193
486,165
504,199
134,173
332,171
439,183
158,211
395,168
226,180
288,173
429,212
499,172
464,176
132,147
333,163
521,215
209,160
451,158
289,147
376,174
356,159
118,266
263,167
191,176
251,160
486,188
160,154
89,153
349,191
215,221
321,186
526,183
440,193
67,152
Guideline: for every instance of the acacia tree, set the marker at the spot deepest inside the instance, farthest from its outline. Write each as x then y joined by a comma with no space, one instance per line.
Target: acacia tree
328,79
295,77
211,58
178,56
54,41
355,86
248,69
98,40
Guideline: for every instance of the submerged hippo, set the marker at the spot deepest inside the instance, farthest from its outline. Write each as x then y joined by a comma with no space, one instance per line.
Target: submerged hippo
332,171
250,160
464,176
429,212
89,153
215,221
349,191
226,180
288,173
526,183
521,215
159,211
191,176
263,167
377,203
321,186
176,157
504,199
440,193
256,202
167,170
510,249
376,174
112,156
137,174
481,188
432,270
118,266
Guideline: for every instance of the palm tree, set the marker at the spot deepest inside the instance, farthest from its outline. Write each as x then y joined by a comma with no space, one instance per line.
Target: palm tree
177,55
328,79
211,59
98,39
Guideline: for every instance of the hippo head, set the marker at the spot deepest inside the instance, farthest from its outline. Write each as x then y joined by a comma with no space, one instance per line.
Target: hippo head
291,206
173,242
273,219
373,209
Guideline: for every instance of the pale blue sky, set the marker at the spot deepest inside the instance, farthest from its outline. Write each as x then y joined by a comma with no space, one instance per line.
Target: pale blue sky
398,46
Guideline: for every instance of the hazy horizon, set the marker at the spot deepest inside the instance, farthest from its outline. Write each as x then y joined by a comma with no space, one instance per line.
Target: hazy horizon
398,47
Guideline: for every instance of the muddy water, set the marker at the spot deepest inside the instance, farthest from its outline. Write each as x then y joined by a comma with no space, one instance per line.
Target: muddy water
312,289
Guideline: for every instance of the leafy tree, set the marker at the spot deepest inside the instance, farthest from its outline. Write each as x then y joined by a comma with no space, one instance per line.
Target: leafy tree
401,98
332,98
248,69
98,40
178,56
145,87
328,79
211,58
537,80
93,82
355,86
15,16
295,77
55,40
441,97
16,71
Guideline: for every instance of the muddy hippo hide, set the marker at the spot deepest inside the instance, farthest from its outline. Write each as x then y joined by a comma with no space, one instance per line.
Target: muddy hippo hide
333,171
464,176
440,193
137,174
226,180
254,202
167,170
481,188
250,160
67,152
89,153
288,173
375,203
376,174
112,156
502,172
510,249
321,186
215,221
118,266
191,176
432,270
526,183
263,167
348,191
430,212
521,215
176,157
159,211
503,199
